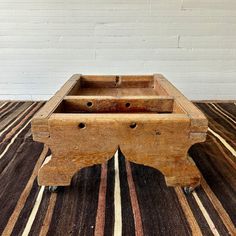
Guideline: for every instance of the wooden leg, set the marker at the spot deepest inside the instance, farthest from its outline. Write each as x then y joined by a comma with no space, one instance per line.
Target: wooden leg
184,174
57,172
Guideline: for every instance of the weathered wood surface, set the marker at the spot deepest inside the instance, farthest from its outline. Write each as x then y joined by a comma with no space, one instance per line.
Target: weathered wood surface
130,81
198,119
86,129
39,123
100,104
118,92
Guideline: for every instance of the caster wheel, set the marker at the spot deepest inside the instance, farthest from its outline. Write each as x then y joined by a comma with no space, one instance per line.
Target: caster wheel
188,190
52,189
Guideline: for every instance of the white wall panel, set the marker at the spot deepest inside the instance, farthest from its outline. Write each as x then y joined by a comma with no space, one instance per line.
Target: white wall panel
192,42
209,4
226,42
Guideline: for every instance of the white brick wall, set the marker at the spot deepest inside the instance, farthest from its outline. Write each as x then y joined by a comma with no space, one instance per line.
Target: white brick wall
192,42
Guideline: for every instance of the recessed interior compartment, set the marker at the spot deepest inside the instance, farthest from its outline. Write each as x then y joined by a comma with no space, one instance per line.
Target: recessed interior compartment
117,94
114,86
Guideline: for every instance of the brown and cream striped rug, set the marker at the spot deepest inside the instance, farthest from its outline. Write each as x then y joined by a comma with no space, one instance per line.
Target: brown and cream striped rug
117,197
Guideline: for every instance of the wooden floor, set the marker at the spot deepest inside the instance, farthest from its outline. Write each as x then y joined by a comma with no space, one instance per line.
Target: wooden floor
117,196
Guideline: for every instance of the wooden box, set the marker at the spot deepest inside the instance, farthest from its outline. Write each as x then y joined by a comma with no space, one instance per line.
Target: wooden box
90,117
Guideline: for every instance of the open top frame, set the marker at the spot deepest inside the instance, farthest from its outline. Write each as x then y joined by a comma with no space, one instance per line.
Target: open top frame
90,117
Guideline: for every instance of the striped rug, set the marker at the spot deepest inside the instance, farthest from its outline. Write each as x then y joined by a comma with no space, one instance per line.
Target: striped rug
118,197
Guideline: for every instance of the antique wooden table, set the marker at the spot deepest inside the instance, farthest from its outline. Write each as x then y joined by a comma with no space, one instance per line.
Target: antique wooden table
90,117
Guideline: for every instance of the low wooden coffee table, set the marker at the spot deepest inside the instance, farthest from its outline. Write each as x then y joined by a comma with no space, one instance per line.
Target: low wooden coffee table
90,117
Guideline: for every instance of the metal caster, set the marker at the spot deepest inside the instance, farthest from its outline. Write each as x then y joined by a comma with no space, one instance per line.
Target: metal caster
52,189
188,190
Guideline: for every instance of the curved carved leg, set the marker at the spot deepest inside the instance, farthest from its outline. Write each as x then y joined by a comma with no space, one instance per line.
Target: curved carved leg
57,172
177,171
182,173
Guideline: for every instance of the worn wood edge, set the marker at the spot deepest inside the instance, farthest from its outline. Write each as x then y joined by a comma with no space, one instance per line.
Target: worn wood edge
197,137
39,123
120,116
110,104
54,101
59,95
199,122
117,80
153,97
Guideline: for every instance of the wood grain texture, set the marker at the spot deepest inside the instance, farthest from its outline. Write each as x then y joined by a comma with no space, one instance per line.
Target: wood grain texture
106,104
84,130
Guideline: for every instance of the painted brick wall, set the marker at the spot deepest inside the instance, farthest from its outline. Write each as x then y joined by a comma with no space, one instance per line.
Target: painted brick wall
192,42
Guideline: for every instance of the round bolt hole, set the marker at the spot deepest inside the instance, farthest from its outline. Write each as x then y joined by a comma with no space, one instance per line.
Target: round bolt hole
81,125
89,104
133,125
127,104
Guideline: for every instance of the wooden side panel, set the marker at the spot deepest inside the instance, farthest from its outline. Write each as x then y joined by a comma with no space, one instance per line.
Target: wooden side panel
109,104
113,81
157,140
138,135
115,92
39,123
199,122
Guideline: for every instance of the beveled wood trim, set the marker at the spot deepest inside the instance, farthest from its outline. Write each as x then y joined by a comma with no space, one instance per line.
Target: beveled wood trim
199,122
39,123
55,101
